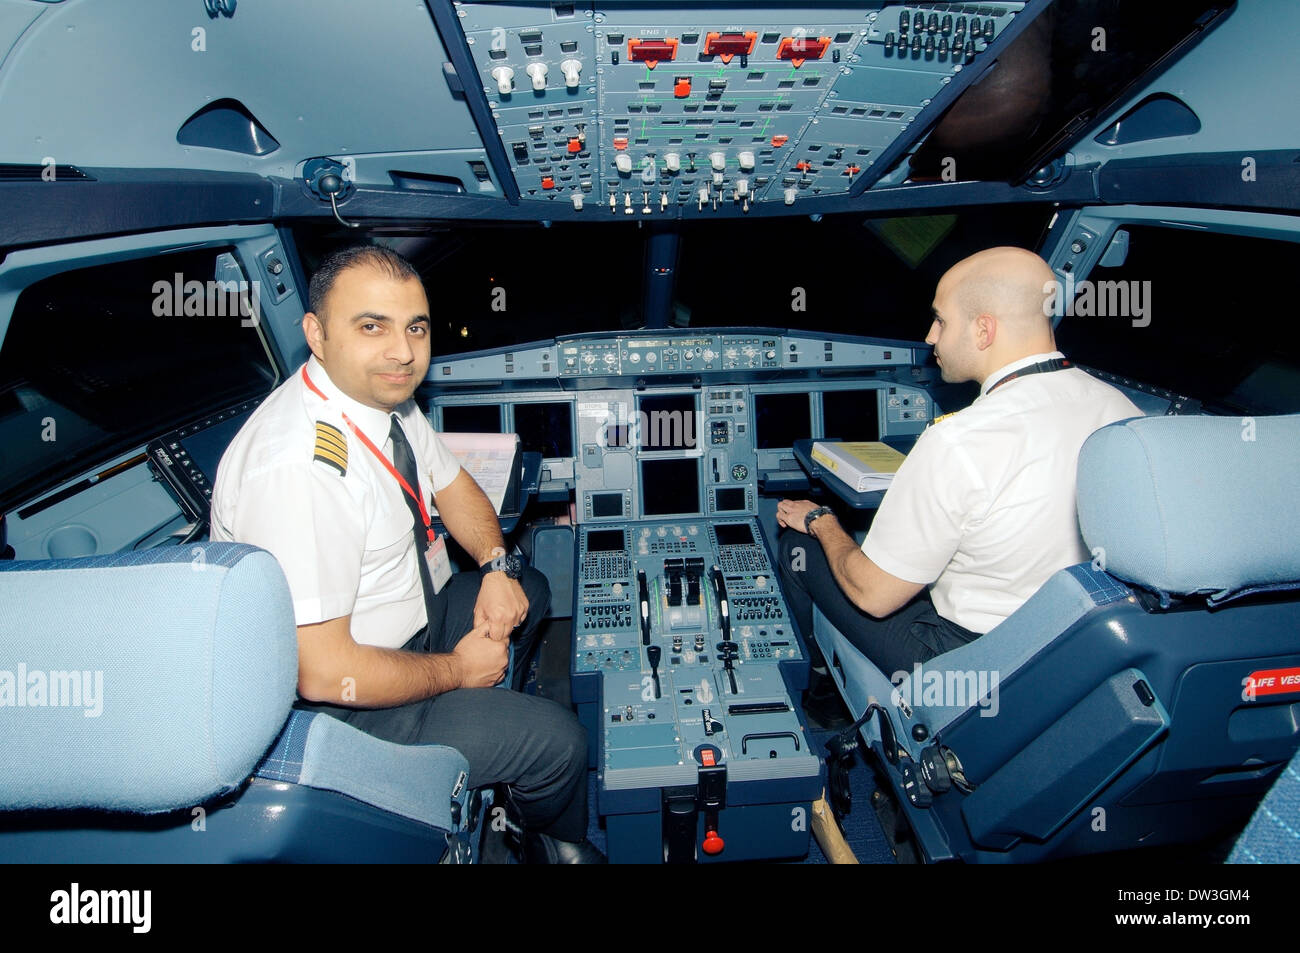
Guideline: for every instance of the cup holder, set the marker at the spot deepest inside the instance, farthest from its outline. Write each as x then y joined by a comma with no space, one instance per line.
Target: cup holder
69,542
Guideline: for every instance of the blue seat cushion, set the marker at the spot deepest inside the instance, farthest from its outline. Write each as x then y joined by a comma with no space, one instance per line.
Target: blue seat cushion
142,682
1194,504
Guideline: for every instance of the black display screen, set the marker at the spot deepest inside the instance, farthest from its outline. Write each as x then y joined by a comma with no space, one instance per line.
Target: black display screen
605,541
734,534
729,499
781,419
471,418
545,428
851,414
607,504
670,486
668,423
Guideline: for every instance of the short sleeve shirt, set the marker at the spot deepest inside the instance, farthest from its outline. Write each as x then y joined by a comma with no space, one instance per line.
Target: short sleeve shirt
297,482
983,507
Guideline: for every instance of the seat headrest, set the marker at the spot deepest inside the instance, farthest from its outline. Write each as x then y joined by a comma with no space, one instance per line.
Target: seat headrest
142,682
1194,504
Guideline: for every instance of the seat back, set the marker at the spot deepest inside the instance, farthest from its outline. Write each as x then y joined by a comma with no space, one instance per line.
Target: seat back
147,702
142,682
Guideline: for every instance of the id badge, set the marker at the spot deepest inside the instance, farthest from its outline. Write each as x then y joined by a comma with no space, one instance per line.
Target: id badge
439,563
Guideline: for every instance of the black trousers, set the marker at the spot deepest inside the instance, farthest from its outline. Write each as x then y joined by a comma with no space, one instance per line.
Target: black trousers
915,633
532,744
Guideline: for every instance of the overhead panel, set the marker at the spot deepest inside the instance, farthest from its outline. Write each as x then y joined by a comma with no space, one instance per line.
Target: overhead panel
643,110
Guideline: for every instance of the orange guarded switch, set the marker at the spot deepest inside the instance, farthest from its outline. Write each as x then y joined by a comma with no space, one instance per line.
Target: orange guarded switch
651,52
727,45
682,88
796,49
778,141
620,143
548,182
575,144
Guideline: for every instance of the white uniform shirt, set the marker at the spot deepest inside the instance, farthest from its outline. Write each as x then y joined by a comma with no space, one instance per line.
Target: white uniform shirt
984,505
342,534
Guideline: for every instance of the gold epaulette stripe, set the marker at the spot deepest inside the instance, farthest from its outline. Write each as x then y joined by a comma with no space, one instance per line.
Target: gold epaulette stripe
944,417
331,447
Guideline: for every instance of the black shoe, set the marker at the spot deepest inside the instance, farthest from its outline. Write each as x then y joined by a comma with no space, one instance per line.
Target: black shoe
544,849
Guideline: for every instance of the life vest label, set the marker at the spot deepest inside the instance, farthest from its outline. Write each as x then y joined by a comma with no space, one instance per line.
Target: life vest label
1273,681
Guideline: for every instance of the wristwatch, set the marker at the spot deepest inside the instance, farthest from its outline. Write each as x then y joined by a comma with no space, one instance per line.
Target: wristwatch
814,515
512,565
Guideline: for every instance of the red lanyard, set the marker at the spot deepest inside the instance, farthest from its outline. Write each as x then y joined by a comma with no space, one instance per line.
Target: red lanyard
406,487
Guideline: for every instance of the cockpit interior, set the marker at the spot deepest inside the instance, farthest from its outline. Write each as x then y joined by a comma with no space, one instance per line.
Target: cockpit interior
676,248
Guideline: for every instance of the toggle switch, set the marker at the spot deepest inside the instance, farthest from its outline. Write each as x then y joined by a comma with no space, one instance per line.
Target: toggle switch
790,196
672,162
624,162
577,201
746,161
718,160
504,76
571,69
538,72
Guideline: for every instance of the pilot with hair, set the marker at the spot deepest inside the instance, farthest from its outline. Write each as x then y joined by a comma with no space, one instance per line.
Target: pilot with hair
333,475
982,511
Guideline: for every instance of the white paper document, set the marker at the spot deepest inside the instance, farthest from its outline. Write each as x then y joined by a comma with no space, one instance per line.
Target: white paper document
487,457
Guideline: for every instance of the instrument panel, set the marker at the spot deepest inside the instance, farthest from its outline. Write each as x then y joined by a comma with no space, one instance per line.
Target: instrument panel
630,109
663,425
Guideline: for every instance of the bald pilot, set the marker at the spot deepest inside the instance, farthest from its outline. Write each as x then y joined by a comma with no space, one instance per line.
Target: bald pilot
982,511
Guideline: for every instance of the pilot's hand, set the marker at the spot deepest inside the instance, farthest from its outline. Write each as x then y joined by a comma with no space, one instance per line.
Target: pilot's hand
791,513
501,604
483,660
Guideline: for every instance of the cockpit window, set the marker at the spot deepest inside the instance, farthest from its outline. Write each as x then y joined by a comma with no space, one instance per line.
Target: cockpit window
1199,313
101,359
506,285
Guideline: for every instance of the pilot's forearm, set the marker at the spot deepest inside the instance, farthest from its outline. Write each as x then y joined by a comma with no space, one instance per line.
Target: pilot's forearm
844,558
335,670
469,517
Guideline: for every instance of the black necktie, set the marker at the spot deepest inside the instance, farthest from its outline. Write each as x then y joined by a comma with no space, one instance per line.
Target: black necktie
404,461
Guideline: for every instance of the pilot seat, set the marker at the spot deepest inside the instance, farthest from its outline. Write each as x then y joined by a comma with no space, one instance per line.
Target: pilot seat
1149,697
147,719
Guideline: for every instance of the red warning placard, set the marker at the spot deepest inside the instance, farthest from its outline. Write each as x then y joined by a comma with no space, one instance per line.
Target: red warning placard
1273,681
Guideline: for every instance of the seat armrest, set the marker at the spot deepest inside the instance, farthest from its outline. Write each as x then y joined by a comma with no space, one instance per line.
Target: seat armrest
424,783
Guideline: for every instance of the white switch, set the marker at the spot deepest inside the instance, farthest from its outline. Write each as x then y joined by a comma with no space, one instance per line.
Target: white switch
577,201
746,161
624,162
648,171
742,188
790,195
504,76
538,72
718,160
672,162
717,179
704,197
571,69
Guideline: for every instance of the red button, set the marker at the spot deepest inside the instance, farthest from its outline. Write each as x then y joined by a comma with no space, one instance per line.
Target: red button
575,145
803,165
620,143
548,182
682,88
779,141
713,844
